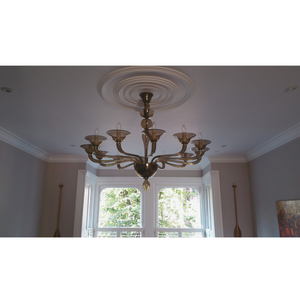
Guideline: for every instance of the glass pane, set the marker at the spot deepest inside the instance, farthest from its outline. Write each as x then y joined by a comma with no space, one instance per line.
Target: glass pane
192,234
107,234
130,234
120,207
167,234
179,208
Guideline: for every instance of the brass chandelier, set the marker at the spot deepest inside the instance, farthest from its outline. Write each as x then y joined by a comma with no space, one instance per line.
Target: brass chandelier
143,166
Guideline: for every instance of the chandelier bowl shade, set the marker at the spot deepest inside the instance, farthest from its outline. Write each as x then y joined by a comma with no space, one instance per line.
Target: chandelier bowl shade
95,140
184,137
201,144
118,135
155,134
89,149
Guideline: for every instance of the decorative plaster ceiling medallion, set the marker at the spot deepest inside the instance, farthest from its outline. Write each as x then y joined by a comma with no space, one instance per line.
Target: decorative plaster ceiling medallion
170,88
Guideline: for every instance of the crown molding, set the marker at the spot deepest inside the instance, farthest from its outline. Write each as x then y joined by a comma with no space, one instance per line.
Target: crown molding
68,159
227,159
277,141
12,139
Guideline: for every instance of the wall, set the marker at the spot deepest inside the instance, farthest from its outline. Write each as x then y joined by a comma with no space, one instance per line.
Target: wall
21,192
67,174
235,173
56,173
273,176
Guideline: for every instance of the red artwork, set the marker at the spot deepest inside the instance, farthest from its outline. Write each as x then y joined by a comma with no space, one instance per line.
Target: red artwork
288,214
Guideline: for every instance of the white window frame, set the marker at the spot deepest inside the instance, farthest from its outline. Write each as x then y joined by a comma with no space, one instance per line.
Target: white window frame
89,188
117,182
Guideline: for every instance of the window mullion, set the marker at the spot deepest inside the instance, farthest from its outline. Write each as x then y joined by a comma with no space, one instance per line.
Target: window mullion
119,232
180,232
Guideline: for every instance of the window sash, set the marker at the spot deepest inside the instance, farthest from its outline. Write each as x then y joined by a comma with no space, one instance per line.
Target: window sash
93,232
180,230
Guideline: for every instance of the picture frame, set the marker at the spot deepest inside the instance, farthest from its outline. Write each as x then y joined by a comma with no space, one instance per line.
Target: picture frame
288,215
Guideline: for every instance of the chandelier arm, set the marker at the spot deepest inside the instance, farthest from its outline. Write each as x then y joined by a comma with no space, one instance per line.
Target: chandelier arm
119,147
195,162
115,157
93,159
122,168
99,152
176,166
104,164
182,159
183,149
162,165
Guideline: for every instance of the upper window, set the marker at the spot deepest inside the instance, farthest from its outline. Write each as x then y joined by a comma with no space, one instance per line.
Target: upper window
179,208
119,208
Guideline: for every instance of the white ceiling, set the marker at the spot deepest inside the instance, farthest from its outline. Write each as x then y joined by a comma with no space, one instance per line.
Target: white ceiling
238,106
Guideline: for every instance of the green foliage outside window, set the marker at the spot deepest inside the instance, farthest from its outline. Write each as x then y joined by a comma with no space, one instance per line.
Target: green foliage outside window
177,208
120,207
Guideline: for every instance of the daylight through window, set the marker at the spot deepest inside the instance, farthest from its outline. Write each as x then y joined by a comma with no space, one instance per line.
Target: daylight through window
179,213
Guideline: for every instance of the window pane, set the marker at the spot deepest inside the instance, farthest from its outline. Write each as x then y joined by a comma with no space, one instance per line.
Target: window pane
120,207
107,234
179,208
131,234
167,234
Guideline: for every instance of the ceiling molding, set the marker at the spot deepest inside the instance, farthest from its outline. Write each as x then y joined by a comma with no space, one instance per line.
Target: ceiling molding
122,87
227,159
12,139
277,141
68,159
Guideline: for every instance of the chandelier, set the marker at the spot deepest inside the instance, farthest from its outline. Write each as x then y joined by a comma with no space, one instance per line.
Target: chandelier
145,165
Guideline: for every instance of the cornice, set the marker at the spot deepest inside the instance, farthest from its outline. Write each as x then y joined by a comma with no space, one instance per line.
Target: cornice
68,159
227,159
277,141
12,139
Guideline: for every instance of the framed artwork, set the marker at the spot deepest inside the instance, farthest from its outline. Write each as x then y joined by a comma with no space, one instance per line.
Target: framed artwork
288,214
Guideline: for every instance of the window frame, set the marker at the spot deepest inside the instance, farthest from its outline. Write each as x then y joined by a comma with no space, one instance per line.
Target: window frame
210,183
117,182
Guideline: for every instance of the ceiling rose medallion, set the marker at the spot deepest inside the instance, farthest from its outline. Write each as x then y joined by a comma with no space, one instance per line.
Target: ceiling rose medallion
136,88
170,88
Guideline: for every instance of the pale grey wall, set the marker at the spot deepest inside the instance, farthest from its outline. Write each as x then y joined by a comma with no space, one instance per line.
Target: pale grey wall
235,173
56,173
273,176
21,192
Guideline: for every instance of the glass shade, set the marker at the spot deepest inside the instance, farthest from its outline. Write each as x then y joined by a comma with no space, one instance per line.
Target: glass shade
194,149
118,135
186,155
101,154
201,144
95,140
89,149
155,134
184,137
